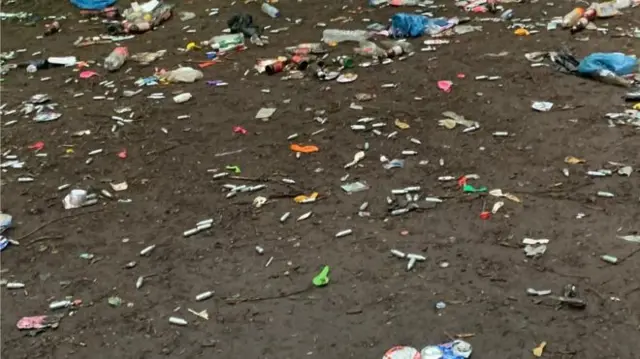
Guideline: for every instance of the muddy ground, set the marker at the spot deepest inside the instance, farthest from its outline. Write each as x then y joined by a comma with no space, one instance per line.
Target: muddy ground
371,303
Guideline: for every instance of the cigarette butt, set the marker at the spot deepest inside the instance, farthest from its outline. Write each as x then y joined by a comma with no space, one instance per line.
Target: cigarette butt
416,257
177,321
147,250
204,295
412,262
284,217
190,232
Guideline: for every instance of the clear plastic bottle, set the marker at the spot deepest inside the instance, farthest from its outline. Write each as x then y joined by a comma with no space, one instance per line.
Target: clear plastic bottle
623,4
306,48
572,17
270,10
336,35
609,77
370,49
225,42
397,48
116,58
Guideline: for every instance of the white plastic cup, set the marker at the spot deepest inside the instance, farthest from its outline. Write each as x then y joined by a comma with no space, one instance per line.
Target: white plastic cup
77,197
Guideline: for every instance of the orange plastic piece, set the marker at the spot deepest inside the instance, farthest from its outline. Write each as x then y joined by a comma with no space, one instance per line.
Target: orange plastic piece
304,149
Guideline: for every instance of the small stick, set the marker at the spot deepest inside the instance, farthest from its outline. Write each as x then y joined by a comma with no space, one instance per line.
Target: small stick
56,220
257,299
40,239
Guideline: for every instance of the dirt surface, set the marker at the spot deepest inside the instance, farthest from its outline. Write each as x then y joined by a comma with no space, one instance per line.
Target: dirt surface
371,303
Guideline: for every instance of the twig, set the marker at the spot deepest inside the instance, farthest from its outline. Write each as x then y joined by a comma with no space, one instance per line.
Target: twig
56,220
565,274
43,238
629,255
258,299
629,291
157,153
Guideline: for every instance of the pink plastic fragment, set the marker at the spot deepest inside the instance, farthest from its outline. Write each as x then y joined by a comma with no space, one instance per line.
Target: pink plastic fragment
239,129
445,85
35,322
88,74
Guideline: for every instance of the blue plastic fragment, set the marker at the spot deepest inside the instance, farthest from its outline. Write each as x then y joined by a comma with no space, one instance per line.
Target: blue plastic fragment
4,243
93,4
616,62
408,25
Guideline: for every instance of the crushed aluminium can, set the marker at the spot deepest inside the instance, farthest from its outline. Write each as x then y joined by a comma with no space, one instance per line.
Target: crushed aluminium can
457,349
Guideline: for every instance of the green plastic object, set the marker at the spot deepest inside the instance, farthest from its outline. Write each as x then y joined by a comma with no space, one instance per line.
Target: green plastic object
470,189
234,169
322,278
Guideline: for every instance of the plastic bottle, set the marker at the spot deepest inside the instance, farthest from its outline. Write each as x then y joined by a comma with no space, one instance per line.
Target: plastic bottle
572,18
330,36
41,64
34,66
225,42
370,49
397,48
270,10
606,9
307,48
625,4
116,58
609,77
137,27
580,25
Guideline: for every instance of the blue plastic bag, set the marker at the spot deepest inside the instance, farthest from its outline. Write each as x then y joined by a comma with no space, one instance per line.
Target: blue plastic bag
413,25
92,4
408,25
616,62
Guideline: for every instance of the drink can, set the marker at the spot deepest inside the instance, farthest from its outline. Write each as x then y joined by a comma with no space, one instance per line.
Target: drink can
275,67
402,352
301,61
